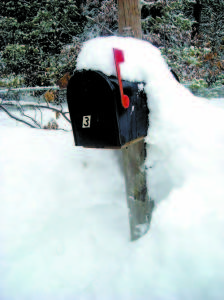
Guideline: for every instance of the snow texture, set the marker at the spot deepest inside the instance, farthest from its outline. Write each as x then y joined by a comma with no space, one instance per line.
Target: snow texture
63,217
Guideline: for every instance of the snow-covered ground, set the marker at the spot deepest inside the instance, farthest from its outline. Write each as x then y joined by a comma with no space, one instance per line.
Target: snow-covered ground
64,230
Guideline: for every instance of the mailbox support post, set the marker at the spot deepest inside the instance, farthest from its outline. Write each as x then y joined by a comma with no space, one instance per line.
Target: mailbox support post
139,204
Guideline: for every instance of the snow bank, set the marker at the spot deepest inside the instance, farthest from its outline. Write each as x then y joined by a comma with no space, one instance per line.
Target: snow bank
63,216
185,145
183,130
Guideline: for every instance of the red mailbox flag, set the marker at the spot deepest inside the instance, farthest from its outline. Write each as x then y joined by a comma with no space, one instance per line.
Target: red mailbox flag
119,58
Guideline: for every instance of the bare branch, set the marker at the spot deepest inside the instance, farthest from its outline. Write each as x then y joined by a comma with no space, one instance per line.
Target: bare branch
16,118
23,114
30,89
41,117
38,106
51,108
91,19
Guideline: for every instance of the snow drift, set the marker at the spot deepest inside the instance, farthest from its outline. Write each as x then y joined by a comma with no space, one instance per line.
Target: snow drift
64,230
183,129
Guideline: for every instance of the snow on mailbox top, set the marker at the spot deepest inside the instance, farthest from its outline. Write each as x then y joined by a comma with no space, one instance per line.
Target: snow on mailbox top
97,54
143,63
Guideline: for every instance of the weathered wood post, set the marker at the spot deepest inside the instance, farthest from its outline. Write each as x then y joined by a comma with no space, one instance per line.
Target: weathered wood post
139,204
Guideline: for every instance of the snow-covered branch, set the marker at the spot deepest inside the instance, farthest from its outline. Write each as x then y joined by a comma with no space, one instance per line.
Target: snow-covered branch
16,118
16,110
29,89
142,2
37,106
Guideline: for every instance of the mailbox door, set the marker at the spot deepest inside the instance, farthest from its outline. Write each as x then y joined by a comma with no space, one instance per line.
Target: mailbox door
91,102
133,121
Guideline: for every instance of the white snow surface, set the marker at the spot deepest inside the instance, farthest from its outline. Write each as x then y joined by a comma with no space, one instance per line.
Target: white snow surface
64,230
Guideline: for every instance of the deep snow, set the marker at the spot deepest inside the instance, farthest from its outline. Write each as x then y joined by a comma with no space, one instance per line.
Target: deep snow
63,217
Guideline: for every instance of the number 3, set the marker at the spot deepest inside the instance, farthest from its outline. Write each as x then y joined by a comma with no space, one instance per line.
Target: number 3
86,122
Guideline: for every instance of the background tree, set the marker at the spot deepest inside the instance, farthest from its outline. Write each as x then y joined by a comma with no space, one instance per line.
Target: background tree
185,32
34,31
102,18
40,40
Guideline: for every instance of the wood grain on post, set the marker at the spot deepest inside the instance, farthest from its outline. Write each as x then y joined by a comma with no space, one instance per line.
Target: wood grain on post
129,16
139,204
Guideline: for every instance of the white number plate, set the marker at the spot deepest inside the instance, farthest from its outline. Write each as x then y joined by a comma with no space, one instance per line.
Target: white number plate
86,122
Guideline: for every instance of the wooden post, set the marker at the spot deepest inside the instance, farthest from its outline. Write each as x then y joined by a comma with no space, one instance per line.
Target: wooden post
139,204
129,16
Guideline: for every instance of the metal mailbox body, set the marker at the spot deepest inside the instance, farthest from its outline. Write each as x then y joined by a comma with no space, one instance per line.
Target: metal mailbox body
97,115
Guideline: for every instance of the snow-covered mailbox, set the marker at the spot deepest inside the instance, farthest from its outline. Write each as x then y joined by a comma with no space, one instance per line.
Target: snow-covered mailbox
106,112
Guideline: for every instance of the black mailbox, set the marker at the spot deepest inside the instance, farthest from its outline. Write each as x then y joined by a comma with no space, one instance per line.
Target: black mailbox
98,117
